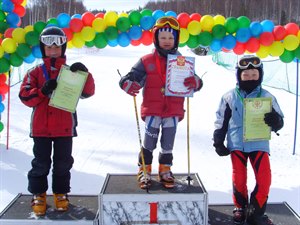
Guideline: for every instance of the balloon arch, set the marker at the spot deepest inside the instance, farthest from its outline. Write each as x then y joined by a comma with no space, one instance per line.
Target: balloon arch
239,35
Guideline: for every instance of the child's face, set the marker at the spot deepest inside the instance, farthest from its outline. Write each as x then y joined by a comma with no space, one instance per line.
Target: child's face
53,51
166,40
251,74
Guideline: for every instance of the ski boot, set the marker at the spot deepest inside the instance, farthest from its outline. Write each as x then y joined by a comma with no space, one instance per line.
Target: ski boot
166,176
239,216
144,181
38,204
61,202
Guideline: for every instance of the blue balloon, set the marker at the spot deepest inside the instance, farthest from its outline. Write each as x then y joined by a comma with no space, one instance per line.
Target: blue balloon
36,51
135,32
228,42
1,107
171,13
157,14
216,45
147,22
112,43
12,19
123,39
267,26
256,29
7,6
243,35
29,59
63,20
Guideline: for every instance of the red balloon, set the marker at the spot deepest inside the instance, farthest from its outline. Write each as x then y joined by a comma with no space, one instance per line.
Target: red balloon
135,42
183,19
239,48
3,89
279,32
195,16
19,10
76,24
292,28
8,32
146,38
99,15
19,2
252,45
87,18
3,78
266,38
68,33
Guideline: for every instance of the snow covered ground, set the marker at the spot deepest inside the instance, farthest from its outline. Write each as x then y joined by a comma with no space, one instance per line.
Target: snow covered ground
108,138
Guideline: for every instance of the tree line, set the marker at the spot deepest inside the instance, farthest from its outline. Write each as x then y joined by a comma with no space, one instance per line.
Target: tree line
279,11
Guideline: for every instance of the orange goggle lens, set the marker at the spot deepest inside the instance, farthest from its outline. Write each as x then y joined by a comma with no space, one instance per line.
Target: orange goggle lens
254,61
171,21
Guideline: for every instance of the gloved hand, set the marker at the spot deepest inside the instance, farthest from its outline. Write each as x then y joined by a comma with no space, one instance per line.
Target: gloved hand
274,120
49,86
131,87
221,150
78,66
193,82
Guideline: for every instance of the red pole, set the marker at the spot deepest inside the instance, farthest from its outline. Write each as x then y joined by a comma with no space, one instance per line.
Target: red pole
8,107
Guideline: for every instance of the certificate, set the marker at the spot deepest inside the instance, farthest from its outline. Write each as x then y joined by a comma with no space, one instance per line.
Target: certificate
179,68
255,128
68,90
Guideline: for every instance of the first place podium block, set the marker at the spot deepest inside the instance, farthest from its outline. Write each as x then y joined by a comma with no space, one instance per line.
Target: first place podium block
122,202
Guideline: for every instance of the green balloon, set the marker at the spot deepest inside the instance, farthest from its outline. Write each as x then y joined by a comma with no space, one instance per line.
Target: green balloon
146,12
244,22
1,126
287,56
297,52
52,21
205,38
2,16
135,17
23,50
123,24
32,38
100,40
15,60
89,44
182,44
192,41
3,27
39,26
218,31
4,65
111,33
231,25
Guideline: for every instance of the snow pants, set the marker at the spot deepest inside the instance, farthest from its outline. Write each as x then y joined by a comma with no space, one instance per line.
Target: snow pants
261,166
41,164
168,132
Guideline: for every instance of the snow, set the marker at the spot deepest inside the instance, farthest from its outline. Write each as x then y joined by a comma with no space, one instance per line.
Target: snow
108,138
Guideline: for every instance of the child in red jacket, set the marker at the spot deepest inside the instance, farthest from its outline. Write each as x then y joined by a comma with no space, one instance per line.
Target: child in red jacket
51,128
158,110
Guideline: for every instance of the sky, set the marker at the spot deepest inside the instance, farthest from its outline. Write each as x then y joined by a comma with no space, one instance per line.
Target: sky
108,141
114,5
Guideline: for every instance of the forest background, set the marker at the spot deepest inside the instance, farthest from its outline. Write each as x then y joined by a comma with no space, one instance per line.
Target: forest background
280,12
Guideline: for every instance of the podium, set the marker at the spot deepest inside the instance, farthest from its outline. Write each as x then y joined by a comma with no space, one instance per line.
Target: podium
122,202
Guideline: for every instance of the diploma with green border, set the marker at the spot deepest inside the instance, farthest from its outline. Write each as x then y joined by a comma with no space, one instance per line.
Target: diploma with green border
69,88
255,128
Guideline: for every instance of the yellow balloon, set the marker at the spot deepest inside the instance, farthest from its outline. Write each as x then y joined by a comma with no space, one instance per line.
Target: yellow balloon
290,42
263,51
123,14
219,19
87,33
184,35
24,3
298,34
18,35
276,49
99,25
9,45
1,51
207,22
194,27
69,44
77,41
111,18
28,28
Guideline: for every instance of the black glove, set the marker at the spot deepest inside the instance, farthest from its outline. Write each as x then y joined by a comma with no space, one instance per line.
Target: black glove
221,150
49,86
274,120
78,66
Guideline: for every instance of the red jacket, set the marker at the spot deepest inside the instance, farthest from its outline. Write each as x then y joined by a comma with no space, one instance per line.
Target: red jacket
47,121
155,103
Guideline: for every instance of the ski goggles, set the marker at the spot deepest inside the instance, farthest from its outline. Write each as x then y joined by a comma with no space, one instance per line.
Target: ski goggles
247,61
171,21
49,40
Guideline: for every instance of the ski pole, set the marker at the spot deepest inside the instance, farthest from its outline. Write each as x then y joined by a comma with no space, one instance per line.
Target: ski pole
188,140
140,141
